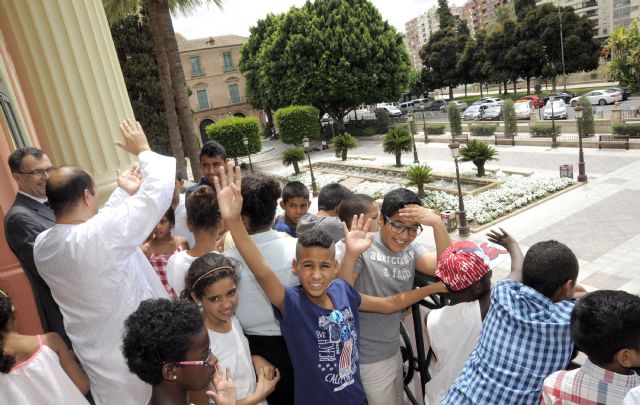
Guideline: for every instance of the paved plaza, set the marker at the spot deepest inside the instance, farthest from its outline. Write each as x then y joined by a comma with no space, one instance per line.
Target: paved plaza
599,221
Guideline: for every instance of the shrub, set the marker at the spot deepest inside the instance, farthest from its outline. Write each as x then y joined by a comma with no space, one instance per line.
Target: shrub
293,156
418,176
455,121
362,127
633,130
482,129
397,142
478,152
296,122
230,131
510,118
587,126
343,143
542,130
435,129
382,119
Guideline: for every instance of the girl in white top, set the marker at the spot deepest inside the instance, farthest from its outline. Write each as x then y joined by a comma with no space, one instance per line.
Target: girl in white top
212,283
36,369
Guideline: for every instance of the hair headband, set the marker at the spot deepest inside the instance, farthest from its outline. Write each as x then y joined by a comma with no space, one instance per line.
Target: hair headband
3,294
209,272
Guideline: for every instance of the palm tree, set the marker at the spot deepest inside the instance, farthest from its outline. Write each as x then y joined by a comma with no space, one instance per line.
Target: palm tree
174,88
396,142
293,156
343,143
418,176
478,152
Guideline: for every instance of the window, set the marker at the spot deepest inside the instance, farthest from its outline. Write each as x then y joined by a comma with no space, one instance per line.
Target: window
234,94
228,62
203,101
195,66
18,138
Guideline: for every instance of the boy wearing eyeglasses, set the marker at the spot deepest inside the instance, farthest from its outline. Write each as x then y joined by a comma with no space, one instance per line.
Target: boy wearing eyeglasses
384,269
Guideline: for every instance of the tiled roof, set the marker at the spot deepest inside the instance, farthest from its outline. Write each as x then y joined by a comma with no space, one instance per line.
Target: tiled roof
185,45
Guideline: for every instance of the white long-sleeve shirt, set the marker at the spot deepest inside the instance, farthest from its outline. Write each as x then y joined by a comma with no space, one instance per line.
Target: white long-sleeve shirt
98,276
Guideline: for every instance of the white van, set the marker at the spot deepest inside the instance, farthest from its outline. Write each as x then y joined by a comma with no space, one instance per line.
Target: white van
407,107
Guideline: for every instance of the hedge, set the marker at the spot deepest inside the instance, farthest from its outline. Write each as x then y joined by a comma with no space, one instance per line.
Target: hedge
542,130
230,131
435,129
483,129
297,122
633,130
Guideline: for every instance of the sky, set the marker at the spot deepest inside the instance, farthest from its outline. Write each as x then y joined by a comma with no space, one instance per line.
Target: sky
238,15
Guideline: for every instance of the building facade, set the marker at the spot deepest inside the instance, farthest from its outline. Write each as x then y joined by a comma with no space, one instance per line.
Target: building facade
218,88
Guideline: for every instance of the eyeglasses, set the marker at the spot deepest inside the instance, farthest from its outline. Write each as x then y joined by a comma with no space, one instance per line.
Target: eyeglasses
39,172
205,362
399,228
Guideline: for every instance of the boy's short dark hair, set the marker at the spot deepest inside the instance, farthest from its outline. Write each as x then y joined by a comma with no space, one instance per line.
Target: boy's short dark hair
202,208
605,322
549,265
331,196
213,149
159,332
354,205
259,200
171,216
294,189
314,237
15,159
396,199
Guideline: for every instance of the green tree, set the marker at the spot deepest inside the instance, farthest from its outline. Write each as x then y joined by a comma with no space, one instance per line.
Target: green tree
586,123
623,45
414,83
134,46
478,152
444,15
333,54
296,122
510,118
293,156
522,6
342,143
440,59
230,131
455,121
471,63
396,142
382,120
499,49
418,176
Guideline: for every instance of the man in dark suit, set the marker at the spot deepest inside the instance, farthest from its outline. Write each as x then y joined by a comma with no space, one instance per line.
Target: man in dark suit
29,215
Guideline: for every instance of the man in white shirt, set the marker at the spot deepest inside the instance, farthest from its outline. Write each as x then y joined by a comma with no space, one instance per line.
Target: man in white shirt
94,266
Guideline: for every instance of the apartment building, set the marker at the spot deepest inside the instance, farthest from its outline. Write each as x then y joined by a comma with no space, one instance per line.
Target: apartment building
481,14
211,71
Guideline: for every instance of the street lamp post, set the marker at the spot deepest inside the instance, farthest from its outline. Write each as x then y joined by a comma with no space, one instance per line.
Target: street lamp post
413,140
245,141
463,230
305,143
554,135
564,75
582,176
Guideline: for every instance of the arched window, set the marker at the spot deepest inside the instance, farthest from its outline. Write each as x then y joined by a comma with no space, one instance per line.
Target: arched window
203,125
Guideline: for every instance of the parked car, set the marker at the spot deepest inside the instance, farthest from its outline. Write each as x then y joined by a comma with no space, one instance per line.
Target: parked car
523,109
461,105
616,93
626,93
474,112
407,107
393,111
492,113
536,101
420,104
566,97
488,100
556,109
436,105
597,97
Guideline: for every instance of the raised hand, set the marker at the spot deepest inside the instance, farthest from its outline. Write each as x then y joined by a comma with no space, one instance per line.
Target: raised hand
421,215
135,141
228,193
356,239
267,380
130,180
501,238
225,389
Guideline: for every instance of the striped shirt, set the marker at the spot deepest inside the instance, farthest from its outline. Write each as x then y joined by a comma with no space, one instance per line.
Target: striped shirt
524,338
588,385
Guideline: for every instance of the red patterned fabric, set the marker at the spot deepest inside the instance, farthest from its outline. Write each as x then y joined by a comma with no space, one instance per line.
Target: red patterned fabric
159,263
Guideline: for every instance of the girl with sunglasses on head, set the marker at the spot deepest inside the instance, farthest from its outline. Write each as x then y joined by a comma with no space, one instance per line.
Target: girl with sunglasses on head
166,345
211,282
36,369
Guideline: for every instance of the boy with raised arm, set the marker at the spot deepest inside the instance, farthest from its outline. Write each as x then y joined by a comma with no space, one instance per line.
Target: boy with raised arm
319,318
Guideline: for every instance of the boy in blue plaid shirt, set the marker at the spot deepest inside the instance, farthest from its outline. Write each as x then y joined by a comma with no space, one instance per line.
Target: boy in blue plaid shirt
525,336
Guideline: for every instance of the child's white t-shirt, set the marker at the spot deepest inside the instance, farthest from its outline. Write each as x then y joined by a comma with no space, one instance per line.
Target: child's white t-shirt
232,351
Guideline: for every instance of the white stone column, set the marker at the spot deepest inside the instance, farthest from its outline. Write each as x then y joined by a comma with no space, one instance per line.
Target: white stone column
66,62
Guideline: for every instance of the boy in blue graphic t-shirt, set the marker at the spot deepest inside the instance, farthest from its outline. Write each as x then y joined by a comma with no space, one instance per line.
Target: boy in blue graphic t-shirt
319,318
